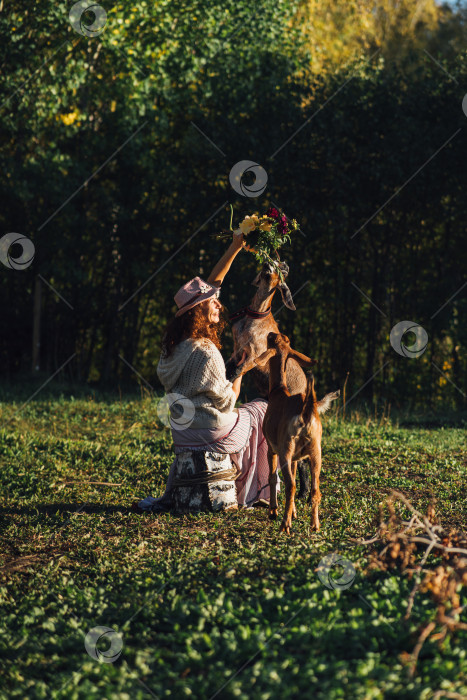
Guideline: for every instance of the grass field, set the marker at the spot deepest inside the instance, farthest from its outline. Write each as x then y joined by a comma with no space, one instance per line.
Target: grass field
209,605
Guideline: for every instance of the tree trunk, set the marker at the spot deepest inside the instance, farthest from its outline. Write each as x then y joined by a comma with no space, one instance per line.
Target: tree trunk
36,330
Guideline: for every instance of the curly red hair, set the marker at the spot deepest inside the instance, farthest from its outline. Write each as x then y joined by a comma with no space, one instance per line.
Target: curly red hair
192,324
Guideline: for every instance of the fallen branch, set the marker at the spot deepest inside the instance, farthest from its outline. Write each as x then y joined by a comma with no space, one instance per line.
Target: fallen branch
438,545
418,647
403,543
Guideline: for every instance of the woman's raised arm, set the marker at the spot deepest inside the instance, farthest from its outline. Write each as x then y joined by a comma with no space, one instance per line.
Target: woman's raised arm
221,268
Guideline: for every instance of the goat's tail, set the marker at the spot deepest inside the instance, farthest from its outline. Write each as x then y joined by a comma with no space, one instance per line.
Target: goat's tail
309,402
325,402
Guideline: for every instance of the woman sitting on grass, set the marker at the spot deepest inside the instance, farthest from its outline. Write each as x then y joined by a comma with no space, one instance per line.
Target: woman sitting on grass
191,365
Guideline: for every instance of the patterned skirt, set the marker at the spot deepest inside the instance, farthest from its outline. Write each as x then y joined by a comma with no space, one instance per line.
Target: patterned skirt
247,447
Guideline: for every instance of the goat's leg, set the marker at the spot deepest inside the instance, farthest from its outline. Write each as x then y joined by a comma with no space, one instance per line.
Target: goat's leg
286,468
315,468
247,365
231,371
234,364
272,461
240,363
294,474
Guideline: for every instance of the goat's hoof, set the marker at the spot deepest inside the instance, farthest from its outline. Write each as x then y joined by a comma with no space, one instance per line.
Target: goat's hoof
273,514
231,372
314,527
285,527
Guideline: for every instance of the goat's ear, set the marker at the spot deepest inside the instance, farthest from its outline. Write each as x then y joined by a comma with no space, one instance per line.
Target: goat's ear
302,360
264,358
287,296
257,279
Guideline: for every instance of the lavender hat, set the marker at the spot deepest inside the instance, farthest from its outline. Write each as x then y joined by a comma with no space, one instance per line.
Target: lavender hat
194,292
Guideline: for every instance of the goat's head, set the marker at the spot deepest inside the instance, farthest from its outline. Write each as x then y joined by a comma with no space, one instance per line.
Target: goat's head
268,281
279,344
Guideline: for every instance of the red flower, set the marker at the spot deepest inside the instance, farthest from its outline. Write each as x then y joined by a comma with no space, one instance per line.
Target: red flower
272,213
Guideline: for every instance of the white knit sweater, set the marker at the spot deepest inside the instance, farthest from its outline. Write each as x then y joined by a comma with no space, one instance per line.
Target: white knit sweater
196,370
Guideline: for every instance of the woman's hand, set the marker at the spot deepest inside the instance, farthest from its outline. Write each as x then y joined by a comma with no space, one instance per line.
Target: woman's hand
238,239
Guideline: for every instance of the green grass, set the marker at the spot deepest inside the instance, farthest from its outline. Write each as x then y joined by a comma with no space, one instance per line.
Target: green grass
207,603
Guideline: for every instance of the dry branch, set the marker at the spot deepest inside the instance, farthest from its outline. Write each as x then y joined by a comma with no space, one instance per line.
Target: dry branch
407,546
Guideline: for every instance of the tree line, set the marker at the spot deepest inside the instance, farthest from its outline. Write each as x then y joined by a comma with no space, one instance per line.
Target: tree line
115,157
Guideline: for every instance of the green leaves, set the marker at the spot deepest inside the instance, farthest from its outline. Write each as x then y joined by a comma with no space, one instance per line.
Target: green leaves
198,597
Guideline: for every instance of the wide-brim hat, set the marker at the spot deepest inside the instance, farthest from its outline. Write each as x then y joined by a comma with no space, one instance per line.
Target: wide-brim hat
194,292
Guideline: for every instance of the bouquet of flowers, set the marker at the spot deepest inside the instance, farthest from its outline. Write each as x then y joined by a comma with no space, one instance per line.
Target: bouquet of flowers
265,234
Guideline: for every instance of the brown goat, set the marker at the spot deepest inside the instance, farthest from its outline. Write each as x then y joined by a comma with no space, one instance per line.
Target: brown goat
250,329
292,428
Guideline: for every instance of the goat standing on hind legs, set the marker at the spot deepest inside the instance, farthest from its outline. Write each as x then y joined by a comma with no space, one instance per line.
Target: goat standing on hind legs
292,428
250,328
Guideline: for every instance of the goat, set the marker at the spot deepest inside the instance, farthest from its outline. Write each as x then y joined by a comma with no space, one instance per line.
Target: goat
292,428
250,328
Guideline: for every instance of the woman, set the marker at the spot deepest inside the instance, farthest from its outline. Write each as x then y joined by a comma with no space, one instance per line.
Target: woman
202,401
